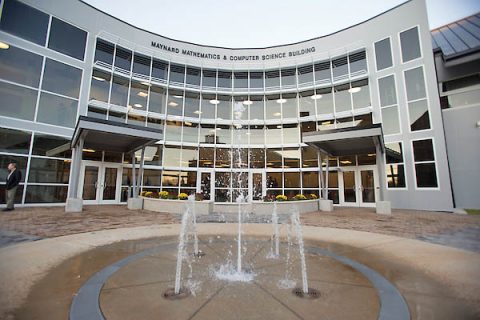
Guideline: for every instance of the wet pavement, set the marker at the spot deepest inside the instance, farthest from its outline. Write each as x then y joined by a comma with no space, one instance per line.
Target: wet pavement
8,237
467,239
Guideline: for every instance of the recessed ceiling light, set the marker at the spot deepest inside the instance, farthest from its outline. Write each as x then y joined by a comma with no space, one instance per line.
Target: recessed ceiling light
277,114
316,96
279,127
214,101
178,97
354,90
173,104
145,83
4,45
197,112
88,150
188,123
281,100
345,162
142,94
98,78
138,105
247,103
324,123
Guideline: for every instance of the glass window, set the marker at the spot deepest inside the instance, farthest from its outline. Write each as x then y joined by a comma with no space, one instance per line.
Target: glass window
117,116
322,72
224,134
309,157
257,134
51,146
360,94
20,66
223,158
154,123
415,84
256,81
57,110
209,80
177,74
223,179
306,102
292,180
46,194
291,133
364,120
173,131
274,180
207,133
310,179
153,155
343,101
257,108
193,77
159,70
119,93
224,79
240,80
423,150
308,126
424,158
208,106
388,94
61,78
21,165
17,102
305,74
257,158
175,103
141,64
291,157
272,79
241,107
189,157
273,134
206,157
48,171
366,159
136,119
152,177
170,178
288,77
190,132
390,123
418,113
123,58
274,158
188,179
104,52
24,21
192,105
383,54
171,156
14,141
410,44
240,158
324,99
340,68
273,107
358,63
289,105
224,107
158,100
395,170
138,95
100,86
97,113
67,39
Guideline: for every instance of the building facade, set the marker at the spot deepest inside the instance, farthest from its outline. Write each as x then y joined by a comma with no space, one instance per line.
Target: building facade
233,119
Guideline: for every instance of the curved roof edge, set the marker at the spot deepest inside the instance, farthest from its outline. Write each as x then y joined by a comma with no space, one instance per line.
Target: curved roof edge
248,48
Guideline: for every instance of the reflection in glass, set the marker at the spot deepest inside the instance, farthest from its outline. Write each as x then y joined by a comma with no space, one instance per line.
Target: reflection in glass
158,100
418,113
123,59
415,84
171,156
17,102
14,141
100,86
342,98
57,110
20,66
119,93
390,122
175,102
324,99
410,44
67,39
138,96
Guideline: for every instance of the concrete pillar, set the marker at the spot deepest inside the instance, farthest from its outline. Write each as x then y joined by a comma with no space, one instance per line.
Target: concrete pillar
322,180
140,172
74,201
383,206
134,177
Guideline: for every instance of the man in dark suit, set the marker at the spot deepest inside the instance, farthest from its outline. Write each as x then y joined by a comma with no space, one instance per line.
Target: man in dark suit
13,179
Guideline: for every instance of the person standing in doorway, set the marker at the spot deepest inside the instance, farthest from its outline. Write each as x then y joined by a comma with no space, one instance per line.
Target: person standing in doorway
13,179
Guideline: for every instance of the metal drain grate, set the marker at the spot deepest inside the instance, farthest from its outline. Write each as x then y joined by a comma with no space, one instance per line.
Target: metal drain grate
312,293
170,294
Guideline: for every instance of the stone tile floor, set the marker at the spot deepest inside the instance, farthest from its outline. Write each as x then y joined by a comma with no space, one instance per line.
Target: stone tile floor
27,224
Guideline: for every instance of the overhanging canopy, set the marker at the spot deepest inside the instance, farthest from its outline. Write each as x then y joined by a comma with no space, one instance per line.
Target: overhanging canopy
99,134
347,141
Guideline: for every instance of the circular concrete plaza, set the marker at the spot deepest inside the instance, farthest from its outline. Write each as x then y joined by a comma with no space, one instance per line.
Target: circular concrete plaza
124,273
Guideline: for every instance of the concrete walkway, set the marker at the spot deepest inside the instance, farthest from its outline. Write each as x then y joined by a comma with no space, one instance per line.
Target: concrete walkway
24,264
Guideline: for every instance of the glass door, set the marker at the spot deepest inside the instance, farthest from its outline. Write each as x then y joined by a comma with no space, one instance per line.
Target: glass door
100,183
358,186
109,187
368,182
90,183
350,197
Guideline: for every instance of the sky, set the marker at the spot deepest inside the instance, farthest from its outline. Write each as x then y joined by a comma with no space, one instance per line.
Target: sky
262,23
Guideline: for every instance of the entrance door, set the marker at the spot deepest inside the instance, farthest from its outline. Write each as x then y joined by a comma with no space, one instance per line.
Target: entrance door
358,186
257,187
100,183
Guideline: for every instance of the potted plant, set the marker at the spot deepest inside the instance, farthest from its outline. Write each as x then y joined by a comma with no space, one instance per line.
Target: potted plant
182,196
281,197
163,194
300,197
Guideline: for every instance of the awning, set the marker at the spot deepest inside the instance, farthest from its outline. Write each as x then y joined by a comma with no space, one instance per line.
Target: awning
99,134
347,141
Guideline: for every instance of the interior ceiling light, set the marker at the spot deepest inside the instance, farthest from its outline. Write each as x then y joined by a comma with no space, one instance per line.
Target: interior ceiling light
178,97
142,94
281,100
214,101
145,83
4,45
98,78
354,90
316,96
277,114
173,104
197,112
138,105
247,103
